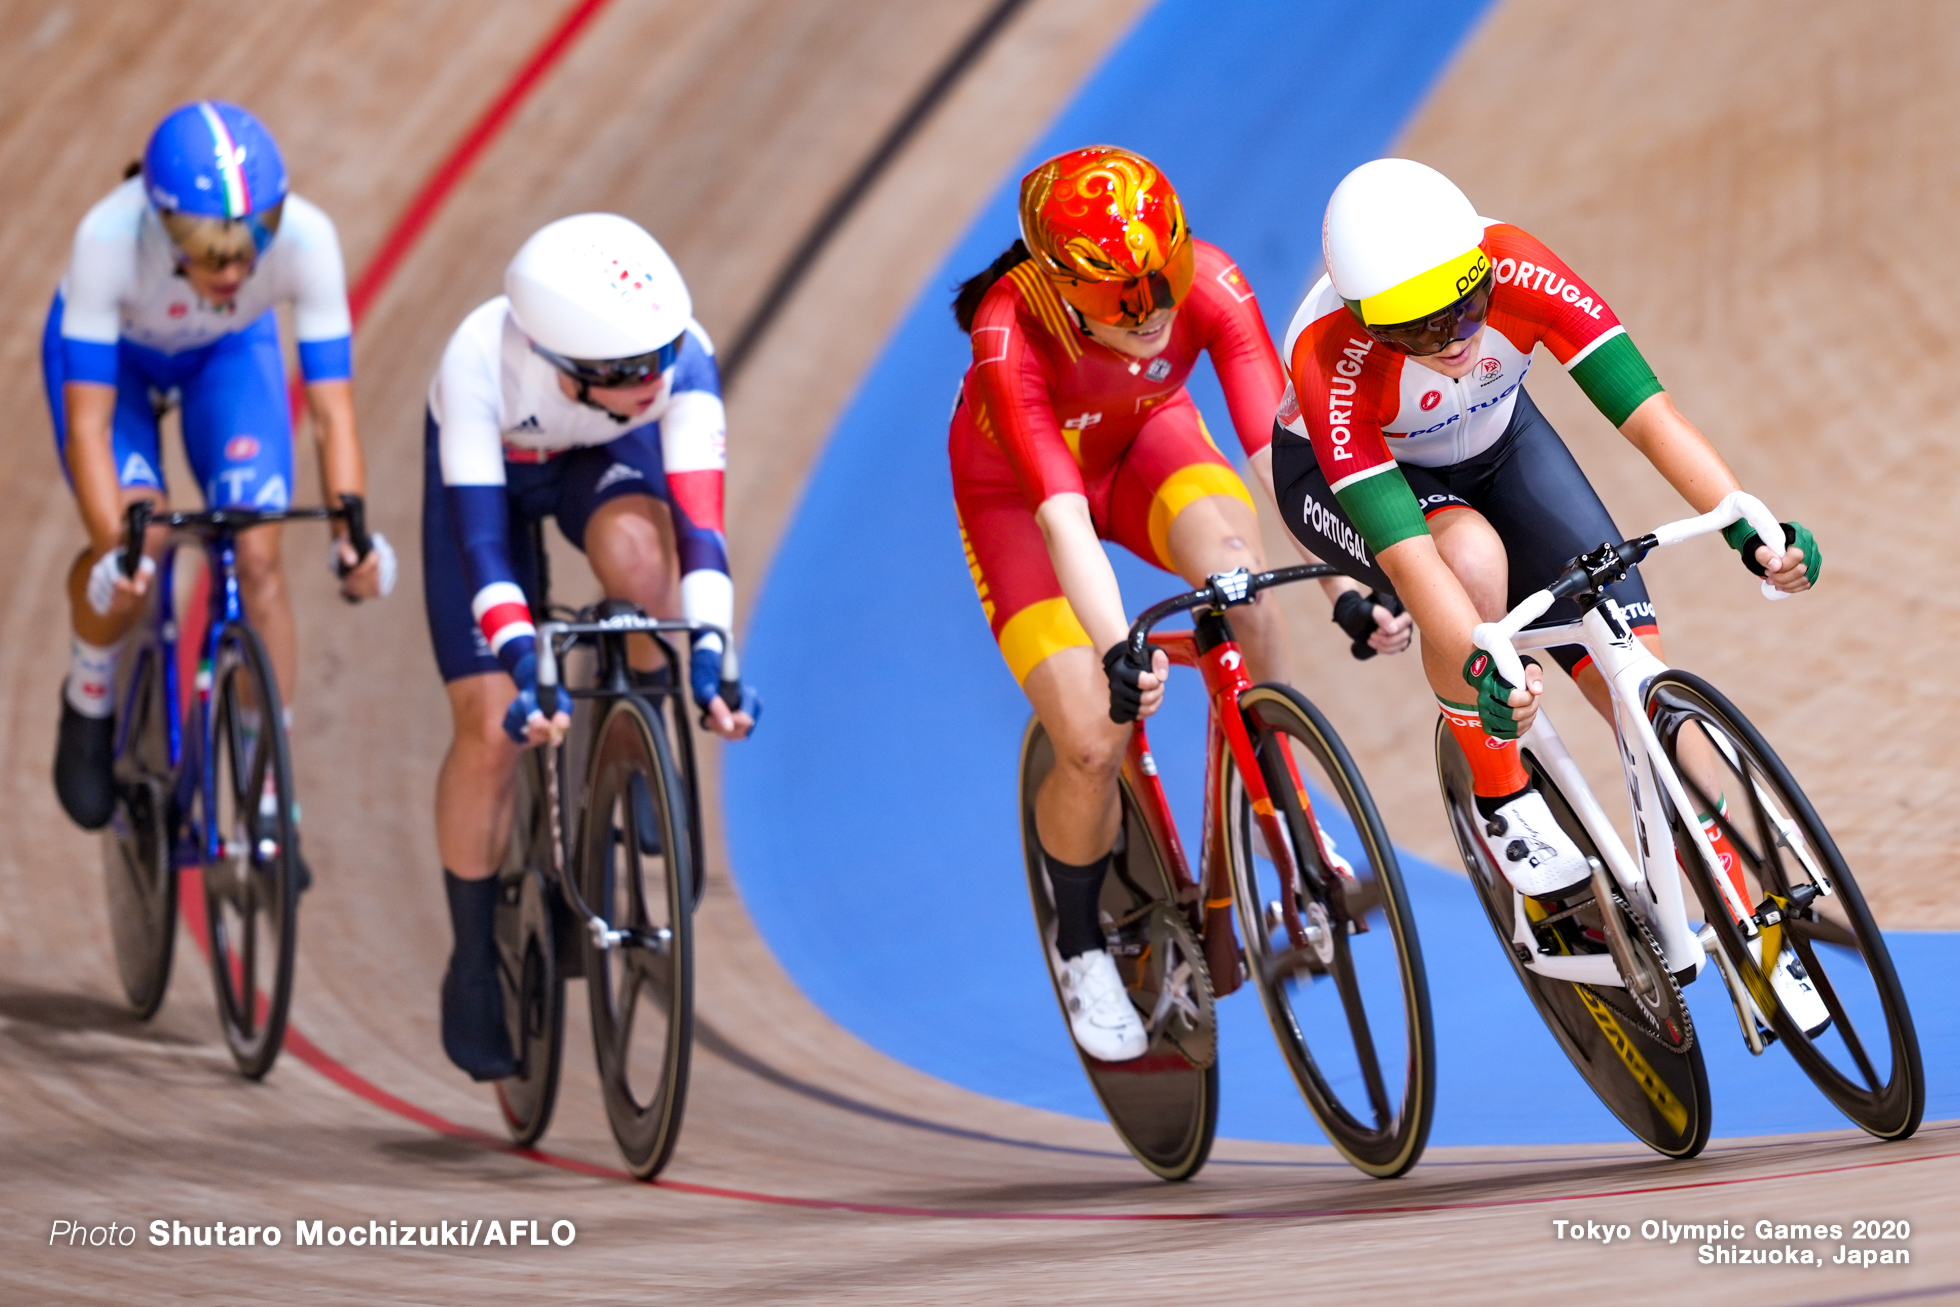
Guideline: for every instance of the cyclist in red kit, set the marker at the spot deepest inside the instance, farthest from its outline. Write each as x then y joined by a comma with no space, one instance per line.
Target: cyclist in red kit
1073,428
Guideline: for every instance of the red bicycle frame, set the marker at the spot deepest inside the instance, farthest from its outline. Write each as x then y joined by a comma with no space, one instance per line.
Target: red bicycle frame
1207,897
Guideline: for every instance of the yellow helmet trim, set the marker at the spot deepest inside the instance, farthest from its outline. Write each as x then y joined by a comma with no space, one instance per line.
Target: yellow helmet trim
1426,293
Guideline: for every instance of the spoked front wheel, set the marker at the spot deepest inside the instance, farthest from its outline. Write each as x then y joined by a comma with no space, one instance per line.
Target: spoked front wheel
1333,952
252,846
140,874
640,976
1817,968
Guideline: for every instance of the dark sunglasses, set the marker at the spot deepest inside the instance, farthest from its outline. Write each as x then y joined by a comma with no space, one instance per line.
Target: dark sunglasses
1437,332
615,374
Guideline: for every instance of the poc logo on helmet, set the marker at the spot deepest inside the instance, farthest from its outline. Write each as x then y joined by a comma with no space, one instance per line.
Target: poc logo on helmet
1472,275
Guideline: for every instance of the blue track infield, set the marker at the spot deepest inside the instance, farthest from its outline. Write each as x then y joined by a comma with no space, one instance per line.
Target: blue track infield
872,821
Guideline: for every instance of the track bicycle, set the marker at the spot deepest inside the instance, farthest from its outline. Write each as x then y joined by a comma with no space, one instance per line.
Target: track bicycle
603,873
1787,929
1292,838
204,781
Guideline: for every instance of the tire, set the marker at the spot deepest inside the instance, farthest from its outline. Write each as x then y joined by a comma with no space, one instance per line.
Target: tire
1350,1003
1658,1089
527,962
250,894
641,987
681,734
1786,852
1163,1105
137,861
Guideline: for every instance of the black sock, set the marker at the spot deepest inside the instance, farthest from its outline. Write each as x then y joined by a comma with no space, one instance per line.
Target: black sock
1487,807
473,918
1078,890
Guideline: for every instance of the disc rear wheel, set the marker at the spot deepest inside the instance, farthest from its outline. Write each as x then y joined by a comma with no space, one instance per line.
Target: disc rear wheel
140,874
1164,1104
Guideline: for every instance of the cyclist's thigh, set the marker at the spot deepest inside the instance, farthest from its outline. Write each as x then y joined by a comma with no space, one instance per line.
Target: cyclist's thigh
628,468
460,647
1547,513
238,432
1317,520
133,429
1008,557
1171,466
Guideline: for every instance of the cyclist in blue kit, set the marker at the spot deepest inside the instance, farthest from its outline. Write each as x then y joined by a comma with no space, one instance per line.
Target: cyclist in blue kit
168,298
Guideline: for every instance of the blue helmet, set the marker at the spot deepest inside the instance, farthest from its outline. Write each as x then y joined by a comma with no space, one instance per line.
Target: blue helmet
211,159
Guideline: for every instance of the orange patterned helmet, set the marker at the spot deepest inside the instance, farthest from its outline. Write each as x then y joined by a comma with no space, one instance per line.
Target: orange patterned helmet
1108,229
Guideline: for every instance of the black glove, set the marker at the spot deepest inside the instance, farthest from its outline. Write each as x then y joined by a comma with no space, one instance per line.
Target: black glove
1354,613
1125,683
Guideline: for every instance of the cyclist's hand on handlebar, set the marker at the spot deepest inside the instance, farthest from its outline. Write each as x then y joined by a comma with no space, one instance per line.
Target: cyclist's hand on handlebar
363,578
111,593
1375,622
1134,691
736,724
1505,710
524,721
1793,573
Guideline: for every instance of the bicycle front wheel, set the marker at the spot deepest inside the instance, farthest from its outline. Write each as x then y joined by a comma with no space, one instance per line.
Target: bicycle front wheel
1340,974
640,977
140,874
252,846
1828,989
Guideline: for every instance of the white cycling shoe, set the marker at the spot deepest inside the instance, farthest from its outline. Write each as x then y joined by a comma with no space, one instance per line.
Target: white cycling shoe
1534,851
1100,1015
1794,990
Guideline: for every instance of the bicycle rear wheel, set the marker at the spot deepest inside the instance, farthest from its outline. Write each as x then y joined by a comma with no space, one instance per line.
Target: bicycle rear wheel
1865,1057
140,873
1656,1086
527,962
1163,1105
1342,982
641,979
250,896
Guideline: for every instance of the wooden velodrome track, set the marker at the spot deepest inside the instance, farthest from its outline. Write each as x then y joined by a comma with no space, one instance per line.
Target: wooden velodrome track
1765,190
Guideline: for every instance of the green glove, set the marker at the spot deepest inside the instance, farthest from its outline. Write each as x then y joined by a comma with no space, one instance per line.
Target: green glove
1493,696
1743,539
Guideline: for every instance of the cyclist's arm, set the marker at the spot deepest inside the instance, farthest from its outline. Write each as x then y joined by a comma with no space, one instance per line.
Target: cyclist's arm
1082,566
465,404
342,468
92,462
693,444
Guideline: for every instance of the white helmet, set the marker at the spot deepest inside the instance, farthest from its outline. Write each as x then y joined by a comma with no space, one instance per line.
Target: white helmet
595,287
1401,242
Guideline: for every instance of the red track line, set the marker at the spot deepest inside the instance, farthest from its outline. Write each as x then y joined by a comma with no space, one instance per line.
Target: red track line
352,1081
423,207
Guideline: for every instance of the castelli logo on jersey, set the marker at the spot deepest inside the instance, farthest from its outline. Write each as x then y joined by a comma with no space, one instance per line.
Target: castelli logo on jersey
1478,664
241,448
1431,400
179,310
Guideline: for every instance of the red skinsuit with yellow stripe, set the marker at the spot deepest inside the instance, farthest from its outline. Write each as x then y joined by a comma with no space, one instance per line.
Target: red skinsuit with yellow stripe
1046,410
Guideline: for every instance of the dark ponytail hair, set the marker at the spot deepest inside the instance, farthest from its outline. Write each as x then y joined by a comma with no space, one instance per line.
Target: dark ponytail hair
967,302
134,169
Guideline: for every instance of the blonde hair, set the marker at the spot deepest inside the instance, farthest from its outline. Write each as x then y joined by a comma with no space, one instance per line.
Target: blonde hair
204,239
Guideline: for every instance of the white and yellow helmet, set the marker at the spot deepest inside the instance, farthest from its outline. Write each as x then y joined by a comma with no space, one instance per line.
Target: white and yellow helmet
1401,242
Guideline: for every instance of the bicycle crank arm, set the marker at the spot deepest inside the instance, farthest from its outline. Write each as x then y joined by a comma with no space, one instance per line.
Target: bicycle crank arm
1618,943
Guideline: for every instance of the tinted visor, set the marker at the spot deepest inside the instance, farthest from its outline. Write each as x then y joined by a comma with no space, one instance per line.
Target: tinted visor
214,243
1437,332
1129,303
616,374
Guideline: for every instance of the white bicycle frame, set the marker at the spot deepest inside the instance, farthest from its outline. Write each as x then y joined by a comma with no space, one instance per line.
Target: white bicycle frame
1650,884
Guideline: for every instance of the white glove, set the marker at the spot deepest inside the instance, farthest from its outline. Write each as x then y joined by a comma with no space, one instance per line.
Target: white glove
382,550
102,579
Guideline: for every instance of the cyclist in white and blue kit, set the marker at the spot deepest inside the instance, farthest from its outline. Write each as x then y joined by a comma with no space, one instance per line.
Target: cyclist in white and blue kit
169,298
586,393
